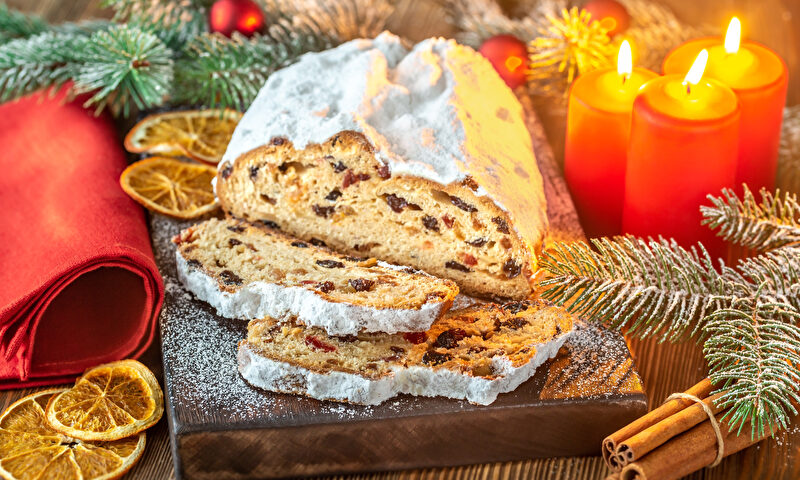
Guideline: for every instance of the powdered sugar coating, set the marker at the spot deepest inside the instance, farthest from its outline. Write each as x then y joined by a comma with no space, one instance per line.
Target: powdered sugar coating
262,299
438,111
280,376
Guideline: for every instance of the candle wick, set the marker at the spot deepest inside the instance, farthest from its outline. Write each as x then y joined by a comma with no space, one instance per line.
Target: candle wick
625,78
688,88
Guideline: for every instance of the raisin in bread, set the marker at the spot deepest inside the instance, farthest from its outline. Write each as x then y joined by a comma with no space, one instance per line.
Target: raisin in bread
246,271
473,354
418,157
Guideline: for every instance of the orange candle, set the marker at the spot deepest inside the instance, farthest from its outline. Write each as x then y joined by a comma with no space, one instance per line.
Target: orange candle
760,78
683,146
595,152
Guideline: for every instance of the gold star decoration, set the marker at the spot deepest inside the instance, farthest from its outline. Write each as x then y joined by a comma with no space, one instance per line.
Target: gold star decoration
569,45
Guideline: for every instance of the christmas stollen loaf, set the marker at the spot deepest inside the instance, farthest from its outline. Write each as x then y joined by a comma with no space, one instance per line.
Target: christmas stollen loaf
246,271
474,353
417,157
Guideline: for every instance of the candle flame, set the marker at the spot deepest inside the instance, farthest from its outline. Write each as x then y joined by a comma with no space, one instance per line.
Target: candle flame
698,67
624,59
734,36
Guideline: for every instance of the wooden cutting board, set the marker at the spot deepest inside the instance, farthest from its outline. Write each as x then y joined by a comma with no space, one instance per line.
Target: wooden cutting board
220,427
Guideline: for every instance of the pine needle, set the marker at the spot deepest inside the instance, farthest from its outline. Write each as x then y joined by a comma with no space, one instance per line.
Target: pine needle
753,353
29,64
339,20
15,24
763,226
124,67
131,65
647,287
228,73
776,271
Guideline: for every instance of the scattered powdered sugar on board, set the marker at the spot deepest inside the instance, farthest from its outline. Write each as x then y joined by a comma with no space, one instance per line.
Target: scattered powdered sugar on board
598,357
199,348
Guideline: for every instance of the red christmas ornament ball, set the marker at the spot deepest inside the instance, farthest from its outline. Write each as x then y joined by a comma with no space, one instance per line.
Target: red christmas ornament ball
228,16
509,56
611,14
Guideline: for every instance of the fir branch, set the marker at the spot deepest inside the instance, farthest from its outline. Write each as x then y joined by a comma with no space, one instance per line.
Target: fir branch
124,67
30,64
338,20
175,34
763,226
228,73
175,22
648,287
753,352
778,271
15,24
83,28
168,12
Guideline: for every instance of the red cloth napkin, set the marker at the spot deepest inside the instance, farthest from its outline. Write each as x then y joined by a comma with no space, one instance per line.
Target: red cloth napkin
78,282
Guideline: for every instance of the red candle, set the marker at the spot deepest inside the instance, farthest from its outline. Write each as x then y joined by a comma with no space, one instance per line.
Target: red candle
595,152
683,146
760,78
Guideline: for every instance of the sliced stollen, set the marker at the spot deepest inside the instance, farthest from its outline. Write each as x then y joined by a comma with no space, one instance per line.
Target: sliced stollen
473,353
417,157
247,271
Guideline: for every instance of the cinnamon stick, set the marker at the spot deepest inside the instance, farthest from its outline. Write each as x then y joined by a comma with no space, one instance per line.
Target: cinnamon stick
610,443
652,437
689,452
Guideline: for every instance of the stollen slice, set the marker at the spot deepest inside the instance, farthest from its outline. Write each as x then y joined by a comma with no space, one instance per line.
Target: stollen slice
247,271
474,353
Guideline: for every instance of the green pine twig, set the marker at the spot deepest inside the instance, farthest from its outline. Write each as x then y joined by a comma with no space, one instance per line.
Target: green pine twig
647,287
753,353
777,270
41,61
770,224
747,316
228,73
123,67
339,20
15,24
166,11
174,33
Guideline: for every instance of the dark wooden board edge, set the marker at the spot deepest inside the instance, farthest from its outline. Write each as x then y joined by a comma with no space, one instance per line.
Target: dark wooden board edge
405,443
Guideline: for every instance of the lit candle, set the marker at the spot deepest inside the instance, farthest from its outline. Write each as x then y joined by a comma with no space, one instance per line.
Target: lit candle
595,152
683,146
760,78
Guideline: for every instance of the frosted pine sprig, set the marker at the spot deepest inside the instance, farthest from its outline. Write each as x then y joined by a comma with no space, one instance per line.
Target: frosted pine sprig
769,224
753,355
646,287
747,316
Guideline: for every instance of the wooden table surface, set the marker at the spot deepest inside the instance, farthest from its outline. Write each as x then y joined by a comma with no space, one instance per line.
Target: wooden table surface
665,368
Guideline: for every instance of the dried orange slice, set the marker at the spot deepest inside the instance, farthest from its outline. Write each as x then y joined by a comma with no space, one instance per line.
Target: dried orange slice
172,187
109,402
202,135
30,448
